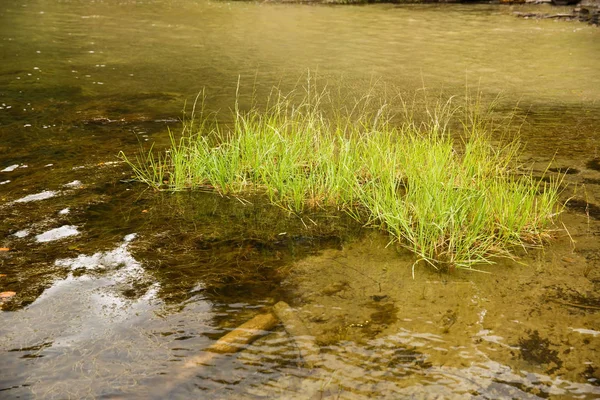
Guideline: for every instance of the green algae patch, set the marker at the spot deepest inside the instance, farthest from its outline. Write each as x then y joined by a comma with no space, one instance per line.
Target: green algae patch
438,184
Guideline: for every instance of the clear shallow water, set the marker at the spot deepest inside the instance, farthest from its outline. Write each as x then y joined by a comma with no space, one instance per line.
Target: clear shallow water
103,313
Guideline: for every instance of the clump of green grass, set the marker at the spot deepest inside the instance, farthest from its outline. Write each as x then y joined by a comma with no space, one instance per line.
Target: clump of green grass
454,199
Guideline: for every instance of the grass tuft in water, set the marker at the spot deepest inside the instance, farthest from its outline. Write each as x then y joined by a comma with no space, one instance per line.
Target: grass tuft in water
454,199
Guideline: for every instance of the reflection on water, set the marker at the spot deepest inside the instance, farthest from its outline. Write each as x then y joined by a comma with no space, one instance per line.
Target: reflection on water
57,233
100,312
46,194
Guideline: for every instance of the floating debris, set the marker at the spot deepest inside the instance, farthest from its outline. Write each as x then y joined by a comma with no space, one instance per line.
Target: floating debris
57,233
64,211
4,182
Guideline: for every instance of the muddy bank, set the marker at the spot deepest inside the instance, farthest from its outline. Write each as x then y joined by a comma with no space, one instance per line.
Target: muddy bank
589,14
565,10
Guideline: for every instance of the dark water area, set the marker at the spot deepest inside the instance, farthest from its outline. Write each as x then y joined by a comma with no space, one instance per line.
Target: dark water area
116,285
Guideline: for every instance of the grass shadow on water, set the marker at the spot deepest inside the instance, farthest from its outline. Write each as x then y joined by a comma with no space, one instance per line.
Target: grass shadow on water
218,248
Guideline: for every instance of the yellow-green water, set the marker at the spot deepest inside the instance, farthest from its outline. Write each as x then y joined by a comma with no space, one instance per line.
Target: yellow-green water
101,313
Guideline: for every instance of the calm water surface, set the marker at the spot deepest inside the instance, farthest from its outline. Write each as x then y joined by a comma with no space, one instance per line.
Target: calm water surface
116,286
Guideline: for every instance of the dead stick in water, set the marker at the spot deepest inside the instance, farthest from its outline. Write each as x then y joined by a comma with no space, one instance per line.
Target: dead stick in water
294,326
309,351
246,333
232,342
235,340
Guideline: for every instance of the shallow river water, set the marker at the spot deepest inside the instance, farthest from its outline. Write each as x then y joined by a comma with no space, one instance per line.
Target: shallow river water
117,286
